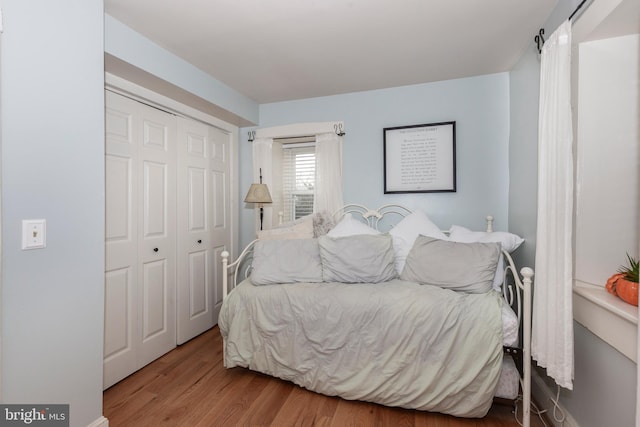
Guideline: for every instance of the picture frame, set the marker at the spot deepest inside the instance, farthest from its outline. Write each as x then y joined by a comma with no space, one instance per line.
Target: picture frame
420,158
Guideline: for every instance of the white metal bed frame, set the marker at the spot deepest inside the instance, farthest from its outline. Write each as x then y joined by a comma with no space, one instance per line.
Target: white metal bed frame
521,299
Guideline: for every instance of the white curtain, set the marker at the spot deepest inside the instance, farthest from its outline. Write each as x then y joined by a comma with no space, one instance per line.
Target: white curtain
262,162
328,189
552,334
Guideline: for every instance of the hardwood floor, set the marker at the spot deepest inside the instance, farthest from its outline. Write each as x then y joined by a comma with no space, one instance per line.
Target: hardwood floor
190,387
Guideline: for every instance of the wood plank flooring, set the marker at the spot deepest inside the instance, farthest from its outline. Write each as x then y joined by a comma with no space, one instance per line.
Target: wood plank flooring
190,387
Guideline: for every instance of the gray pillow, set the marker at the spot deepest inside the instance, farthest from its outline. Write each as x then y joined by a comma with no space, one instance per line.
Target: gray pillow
286,261
361,258
466,267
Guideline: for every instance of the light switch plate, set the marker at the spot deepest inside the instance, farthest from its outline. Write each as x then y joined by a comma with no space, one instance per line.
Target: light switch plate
34,234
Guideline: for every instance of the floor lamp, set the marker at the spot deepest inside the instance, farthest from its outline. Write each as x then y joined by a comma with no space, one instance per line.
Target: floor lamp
259,193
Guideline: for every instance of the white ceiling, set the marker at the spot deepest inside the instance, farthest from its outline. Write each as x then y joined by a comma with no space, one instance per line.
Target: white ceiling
276,50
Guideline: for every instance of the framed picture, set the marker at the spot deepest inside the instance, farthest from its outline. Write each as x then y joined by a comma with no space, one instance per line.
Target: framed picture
420,158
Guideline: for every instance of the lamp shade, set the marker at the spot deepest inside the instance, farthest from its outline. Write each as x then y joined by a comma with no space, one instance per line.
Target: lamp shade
258,193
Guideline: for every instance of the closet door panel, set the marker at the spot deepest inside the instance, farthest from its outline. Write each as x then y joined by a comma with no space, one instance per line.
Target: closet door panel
197,190
198,256
155,200
221,236
155,134
118,195
219,187
195,257
217,274
121,182
120,231
198,292
121,246
157,236
157,324
220,184
119,127
120,333
219,227
154,295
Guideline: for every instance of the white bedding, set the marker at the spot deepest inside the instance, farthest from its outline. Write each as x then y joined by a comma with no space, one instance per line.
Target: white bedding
396,343
510,327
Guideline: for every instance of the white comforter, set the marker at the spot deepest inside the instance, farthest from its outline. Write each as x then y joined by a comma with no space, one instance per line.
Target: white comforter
396,343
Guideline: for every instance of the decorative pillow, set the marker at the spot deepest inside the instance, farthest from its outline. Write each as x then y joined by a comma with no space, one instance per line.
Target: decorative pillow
323,222
465,267
509,242
286,261
349,226
363,258
301,228
407,230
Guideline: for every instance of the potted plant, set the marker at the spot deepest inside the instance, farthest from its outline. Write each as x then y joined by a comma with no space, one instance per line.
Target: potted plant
625,282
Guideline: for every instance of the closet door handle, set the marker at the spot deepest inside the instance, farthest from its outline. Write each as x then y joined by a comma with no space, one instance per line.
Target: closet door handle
199,240
155,249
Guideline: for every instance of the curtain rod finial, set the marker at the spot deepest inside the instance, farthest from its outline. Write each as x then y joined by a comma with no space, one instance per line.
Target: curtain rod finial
539,39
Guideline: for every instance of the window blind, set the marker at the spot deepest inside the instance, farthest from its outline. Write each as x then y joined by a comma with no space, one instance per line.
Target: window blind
298,176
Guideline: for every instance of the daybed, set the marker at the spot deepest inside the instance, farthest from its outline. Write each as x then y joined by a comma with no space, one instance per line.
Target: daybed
413,317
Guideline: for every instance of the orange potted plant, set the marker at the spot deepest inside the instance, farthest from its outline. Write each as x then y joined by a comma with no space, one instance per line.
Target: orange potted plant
624,283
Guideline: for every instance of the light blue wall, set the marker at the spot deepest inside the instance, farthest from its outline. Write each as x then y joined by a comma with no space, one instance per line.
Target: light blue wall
480,107
52,127
523,153
174,73
604,388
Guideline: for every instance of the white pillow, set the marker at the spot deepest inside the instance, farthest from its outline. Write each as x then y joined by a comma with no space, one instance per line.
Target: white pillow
404,234
509,242
301,228
349,226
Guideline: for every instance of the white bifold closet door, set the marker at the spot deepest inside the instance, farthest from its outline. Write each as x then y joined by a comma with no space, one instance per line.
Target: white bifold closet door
203,230
140,236
167,221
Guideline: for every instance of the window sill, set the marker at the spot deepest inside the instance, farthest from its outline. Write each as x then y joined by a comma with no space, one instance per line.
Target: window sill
607,316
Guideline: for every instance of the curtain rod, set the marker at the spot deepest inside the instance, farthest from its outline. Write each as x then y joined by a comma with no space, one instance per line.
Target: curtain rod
539,39
577,9
338,128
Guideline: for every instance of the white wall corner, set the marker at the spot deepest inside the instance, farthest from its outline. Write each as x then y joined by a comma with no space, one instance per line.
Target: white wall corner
542,395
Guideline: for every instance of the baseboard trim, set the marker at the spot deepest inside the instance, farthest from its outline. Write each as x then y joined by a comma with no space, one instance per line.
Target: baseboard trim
100,422
542,395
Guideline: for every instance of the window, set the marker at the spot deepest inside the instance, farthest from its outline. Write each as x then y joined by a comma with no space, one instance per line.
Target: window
607,208
298,179
313,169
